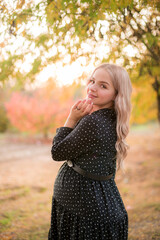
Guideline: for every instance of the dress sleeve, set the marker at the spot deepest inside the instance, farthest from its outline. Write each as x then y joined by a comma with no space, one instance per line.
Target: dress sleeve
69,143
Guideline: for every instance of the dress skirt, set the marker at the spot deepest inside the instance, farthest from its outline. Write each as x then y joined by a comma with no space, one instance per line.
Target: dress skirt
85,209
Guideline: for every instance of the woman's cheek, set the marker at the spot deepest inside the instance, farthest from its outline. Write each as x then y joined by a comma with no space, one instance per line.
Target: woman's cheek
87,88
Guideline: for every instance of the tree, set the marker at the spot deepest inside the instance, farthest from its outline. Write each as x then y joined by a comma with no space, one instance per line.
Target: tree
138,26
68,26
34,113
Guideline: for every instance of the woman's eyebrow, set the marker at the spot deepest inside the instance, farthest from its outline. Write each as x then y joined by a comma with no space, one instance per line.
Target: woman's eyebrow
104,82
101,81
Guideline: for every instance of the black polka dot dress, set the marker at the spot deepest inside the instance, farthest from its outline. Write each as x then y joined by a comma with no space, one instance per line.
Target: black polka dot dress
83,208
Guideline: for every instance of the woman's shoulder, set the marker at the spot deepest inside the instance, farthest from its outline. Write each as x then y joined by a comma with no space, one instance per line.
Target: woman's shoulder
88,119
104,114
98,117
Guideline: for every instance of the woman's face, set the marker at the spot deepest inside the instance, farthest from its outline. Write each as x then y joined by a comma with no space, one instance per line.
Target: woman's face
100,89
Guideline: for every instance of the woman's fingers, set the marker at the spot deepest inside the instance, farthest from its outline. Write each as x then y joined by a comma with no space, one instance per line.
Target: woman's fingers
89,100
77,104
80,109
88,108
84,106
81,104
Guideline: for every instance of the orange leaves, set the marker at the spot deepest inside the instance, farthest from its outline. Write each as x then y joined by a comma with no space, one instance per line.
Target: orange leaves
43,109
20,4
32,113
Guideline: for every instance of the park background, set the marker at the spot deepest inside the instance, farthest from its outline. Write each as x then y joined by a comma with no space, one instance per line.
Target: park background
48,49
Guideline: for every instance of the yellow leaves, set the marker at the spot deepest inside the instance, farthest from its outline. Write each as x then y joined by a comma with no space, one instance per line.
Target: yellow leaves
123,3
83,31
53,11
20,3
155,71
143,103
50,88
23,33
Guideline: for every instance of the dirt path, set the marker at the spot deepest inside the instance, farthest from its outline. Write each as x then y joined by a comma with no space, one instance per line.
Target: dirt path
27,174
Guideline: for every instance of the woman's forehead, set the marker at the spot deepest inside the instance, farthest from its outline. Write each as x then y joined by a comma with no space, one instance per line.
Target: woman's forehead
101,74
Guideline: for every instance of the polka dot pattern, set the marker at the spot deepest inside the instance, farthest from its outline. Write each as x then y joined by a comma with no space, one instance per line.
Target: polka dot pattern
83,208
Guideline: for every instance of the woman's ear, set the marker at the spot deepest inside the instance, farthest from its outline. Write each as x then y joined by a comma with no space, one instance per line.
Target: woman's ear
114,98
115,95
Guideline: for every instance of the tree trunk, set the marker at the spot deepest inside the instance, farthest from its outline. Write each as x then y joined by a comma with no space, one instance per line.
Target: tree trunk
156,86
45,135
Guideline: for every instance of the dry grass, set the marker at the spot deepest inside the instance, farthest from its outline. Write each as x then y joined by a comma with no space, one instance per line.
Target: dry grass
27,175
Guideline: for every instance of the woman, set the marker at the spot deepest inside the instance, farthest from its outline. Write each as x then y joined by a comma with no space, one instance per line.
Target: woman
86,203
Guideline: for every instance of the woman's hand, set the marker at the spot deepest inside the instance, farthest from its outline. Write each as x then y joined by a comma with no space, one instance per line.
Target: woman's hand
79,110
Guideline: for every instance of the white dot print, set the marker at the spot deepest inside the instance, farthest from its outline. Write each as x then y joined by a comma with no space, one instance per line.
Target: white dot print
83,208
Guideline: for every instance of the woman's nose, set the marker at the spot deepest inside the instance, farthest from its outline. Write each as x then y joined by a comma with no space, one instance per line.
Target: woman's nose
92,87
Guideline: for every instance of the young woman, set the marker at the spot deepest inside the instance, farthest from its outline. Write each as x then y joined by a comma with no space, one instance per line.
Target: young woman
86,203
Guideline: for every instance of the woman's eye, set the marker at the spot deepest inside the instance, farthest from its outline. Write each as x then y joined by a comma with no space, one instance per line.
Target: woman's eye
91,80
102,85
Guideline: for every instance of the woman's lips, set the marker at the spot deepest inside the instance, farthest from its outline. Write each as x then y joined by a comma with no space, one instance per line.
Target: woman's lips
91,96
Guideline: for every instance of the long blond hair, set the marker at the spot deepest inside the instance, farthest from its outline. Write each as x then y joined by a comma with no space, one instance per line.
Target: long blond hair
122,105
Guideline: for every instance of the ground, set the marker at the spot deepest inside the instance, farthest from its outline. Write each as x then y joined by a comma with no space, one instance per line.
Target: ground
27,174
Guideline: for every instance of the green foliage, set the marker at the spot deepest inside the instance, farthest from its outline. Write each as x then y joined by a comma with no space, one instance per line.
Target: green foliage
42,39
3,120
66,23
36,65
83,20
7,66
7,218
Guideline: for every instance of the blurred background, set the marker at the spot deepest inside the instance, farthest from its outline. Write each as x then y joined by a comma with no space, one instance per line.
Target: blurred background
48,49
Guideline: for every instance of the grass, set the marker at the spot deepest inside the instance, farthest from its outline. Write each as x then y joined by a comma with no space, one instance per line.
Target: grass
13,193
145,127
125,190
7,218
25,209
144,222
34,233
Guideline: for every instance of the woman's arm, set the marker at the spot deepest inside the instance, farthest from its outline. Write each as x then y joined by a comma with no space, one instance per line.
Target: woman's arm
60,149
70,143
70,123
